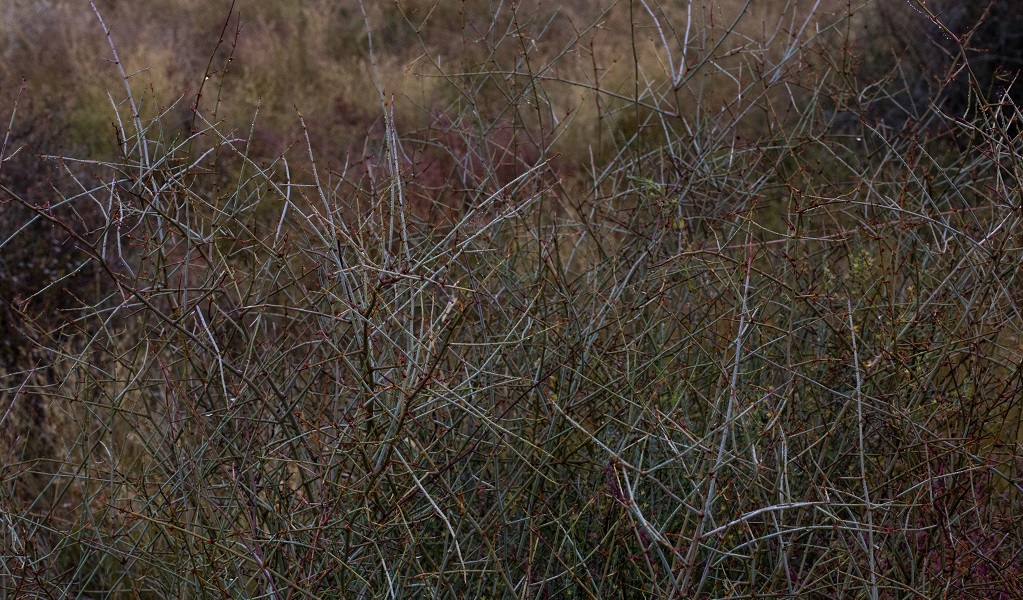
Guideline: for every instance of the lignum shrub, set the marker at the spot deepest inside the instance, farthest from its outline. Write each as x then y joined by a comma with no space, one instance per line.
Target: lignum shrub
739,351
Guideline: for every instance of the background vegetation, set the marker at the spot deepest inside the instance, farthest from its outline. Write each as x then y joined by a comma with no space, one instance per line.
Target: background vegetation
541,300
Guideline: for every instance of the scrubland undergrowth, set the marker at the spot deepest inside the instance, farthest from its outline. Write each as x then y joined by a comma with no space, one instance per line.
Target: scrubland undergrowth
475,299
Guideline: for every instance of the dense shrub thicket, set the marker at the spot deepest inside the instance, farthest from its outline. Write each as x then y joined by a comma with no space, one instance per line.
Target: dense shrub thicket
490,300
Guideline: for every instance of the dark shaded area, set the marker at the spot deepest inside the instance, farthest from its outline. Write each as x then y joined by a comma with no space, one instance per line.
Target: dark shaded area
961,57
45,277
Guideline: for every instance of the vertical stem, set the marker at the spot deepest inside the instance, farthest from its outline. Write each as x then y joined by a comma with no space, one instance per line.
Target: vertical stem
863,462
